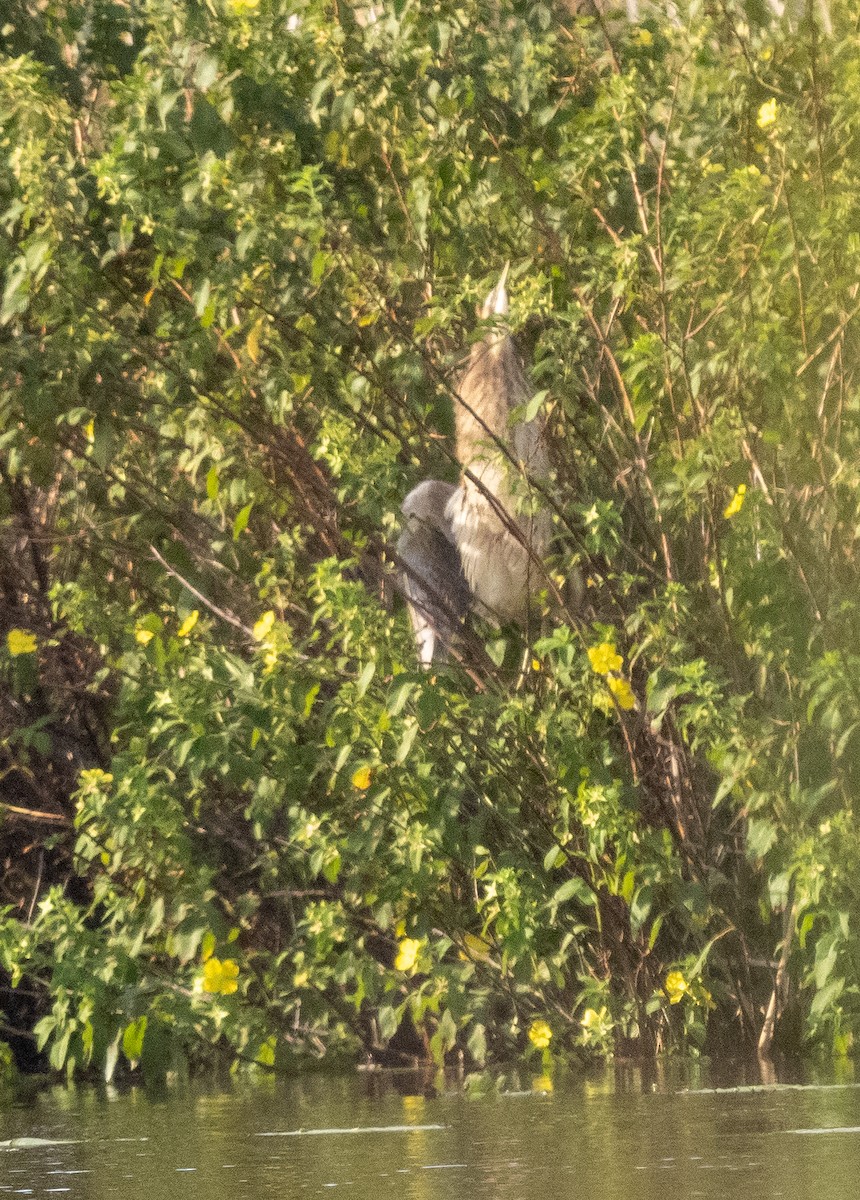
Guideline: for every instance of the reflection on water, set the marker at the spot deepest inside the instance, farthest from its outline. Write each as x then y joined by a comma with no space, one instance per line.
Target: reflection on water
631,1131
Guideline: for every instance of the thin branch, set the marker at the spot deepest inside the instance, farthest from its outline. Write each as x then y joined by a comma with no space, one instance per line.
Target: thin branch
33,814
213,608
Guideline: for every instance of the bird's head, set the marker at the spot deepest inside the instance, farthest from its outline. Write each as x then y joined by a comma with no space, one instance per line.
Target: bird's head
426,503
496,304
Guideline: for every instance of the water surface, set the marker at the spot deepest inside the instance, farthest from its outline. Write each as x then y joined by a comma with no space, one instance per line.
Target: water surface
610,1134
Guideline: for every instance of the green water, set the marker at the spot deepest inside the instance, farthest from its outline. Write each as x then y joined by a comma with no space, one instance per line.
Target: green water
610,1134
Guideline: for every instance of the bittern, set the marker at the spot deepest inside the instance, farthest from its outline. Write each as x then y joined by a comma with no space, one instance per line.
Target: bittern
468,546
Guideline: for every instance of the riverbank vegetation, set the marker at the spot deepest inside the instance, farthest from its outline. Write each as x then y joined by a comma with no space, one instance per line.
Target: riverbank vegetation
242,246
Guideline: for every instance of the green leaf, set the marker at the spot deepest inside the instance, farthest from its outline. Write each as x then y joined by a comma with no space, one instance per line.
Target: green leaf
430,706
319,262
165,105
419,197
207,131
43,1030
400,694
534,405
266,1053
574,888
444,1038
761,835
388,1020
132,1039
640,907
554,857
201,297
156,916
407,741
184,942
654,932
497,649
206,72
476,1044
363,682
60,1049
241,520
331,869
826,997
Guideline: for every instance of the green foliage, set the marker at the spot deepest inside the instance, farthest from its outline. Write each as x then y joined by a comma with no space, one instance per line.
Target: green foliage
241,244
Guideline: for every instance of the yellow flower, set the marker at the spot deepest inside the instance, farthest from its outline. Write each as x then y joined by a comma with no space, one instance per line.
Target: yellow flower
219,978
737,501
407,954
767,114
188,624
240,7
361,779
540,1034
535,664
264,625
21,641
676,986
590,1018
144,636
604,658
622,692
645,37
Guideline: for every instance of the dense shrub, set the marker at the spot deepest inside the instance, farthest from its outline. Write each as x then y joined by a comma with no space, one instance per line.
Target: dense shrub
243,242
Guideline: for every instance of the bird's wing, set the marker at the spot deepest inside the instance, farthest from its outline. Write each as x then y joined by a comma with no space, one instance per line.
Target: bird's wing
436,590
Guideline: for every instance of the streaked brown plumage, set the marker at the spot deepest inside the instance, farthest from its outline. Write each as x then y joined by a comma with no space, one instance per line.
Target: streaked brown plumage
478,545
498,460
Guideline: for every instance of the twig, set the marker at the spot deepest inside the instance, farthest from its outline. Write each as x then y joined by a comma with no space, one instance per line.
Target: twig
213,608
38,885
840,328
777,996
34,814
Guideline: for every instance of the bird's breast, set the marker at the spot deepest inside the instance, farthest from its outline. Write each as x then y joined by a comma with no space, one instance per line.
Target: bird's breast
496,564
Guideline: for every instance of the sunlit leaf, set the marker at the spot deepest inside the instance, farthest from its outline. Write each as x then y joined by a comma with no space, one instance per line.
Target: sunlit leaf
241,521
